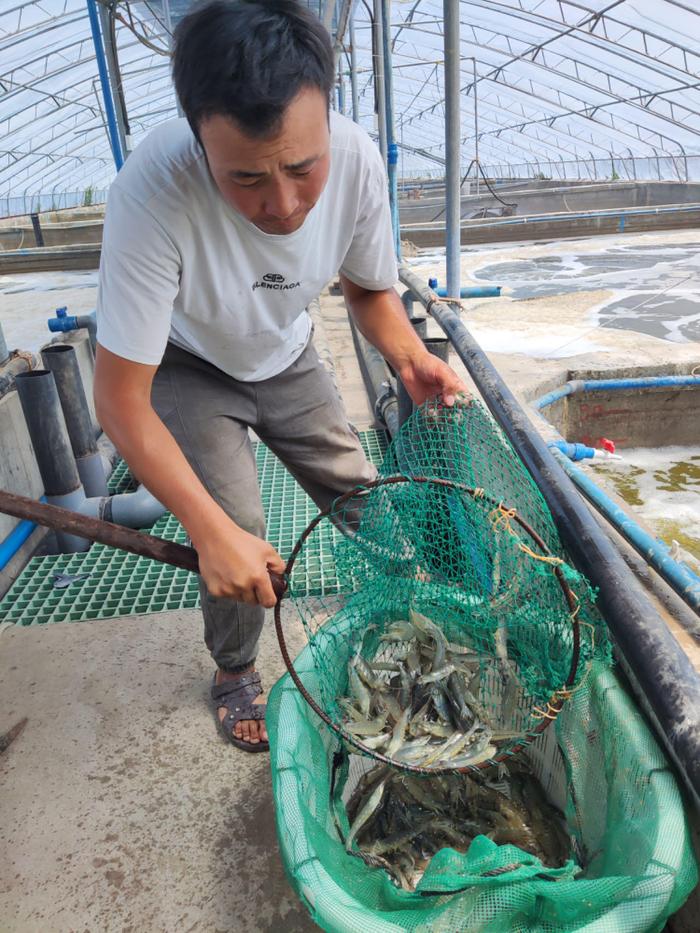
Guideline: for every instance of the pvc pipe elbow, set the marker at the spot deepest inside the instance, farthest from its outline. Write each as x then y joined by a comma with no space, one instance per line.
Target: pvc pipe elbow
139,509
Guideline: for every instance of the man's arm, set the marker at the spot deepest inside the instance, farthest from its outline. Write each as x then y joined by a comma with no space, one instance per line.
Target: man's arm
382,320
232,562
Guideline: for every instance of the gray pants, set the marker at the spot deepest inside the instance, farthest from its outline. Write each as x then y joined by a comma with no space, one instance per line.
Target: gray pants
298,415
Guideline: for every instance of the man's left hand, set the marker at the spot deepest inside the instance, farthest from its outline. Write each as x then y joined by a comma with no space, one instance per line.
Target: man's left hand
425,377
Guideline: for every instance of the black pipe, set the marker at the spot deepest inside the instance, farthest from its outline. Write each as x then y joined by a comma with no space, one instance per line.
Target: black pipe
420,325
405,402
47,431
61,360
36,224
438,346
660,672
376,377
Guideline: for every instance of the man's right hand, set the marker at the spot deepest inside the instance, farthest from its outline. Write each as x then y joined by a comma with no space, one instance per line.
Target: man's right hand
232,562
236,565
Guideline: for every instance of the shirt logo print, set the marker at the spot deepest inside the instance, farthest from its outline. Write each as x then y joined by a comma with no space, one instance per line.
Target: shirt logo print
276,282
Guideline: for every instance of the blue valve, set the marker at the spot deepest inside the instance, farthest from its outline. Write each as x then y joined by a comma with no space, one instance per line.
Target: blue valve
574,451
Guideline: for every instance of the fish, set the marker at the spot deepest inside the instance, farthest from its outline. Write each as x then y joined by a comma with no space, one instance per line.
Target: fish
420,686
399,821
367,726
365,813
438,675
428,628
359,690
399,732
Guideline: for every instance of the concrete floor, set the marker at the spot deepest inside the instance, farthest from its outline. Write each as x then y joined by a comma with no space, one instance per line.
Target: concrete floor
122,807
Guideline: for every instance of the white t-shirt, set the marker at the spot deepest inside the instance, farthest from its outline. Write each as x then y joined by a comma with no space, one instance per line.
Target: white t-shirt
178,263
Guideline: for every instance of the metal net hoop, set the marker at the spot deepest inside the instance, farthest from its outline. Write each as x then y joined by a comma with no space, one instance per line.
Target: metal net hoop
503,515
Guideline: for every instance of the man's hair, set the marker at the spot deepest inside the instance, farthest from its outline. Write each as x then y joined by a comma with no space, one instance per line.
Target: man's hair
247,60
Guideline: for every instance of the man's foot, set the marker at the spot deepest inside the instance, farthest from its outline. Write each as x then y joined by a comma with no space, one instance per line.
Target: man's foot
244,694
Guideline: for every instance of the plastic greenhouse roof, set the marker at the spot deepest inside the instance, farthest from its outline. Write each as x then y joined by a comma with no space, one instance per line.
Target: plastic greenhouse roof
558,82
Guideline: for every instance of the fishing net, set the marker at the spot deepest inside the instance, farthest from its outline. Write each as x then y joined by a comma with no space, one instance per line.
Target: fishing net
452,596
631,863
455,552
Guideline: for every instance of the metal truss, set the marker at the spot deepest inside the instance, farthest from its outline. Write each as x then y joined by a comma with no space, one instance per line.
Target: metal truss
558,82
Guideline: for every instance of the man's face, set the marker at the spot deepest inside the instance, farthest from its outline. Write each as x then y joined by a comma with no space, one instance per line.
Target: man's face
273,182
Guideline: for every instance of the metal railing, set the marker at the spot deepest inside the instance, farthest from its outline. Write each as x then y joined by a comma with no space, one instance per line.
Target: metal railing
51,201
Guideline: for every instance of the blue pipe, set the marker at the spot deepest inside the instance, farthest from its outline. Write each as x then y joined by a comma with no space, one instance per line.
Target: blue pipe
16,538
574,451
467,291
392,150
608,385
655,552
112,129
645,382
392,161
551,397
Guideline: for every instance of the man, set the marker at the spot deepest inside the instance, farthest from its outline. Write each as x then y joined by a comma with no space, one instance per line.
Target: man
219,231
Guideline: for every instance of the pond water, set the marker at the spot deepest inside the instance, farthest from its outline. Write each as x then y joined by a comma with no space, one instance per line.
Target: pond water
662,485
657,286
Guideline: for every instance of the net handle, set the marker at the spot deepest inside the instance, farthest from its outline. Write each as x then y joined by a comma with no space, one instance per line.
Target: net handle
556,702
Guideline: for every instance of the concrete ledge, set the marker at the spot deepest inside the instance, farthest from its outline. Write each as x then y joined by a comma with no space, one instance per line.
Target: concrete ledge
555,226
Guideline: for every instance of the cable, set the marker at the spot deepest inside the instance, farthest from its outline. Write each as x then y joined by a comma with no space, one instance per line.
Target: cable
486,182
118,76
130,24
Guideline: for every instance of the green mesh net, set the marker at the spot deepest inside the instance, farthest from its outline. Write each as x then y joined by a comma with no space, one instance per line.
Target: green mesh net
453,595
461,558
631,864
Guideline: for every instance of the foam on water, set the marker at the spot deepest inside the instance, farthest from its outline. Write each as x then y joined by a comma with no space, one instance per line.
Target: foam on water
662,485
656,286
539,345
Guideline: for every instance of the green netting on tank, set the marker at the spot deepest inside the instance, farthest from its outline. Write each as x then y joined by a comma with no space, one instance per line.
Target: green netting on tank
501,593
631,861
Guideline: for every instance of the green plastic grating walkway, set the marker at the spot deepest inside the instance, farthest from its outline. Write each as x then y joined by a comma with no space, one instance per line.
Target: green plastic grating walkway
125,584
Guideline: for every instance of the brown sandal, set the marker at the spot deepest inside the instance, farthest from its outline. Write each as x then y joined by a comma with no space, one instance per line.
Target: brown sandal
237,696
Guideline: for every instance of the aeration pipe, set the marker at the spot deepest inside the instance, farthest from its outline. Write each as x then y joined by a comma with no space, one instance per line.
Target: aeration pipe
574,386
16,538
679,577
620,214
467,291
61,360
665,681
49,436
